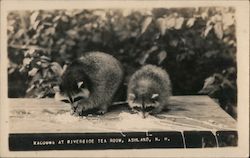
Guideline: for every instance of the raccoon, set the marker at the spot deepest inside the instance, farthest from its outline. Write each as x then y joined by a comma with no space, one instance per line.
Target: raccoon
149,89
90,83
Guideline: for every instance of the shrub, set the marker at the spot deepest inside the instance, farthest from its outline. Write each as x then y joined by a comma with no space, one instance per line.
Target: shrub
197,46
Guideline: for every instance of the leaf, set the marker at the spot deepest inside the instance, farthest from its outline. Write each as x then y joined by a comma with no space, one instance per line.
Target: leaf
232,42
19,33
72,33
170,22
30,88
30,51
60,41
50,31
11,70
190,22
226,83
10,28
166,23
145,24
216,18
33,72
228,19
144,59
33,17
211,53
97,38
41,95
39,63
56,68
36,78
218,30
45,73
204,15
208,82
40,81
35,25
45,58
211,85
208,29
178,23
72,43
152,49
44,64
56,18
26,61
161,56
180,57
65,19
126,12
161,25
22,69
173,42
100,13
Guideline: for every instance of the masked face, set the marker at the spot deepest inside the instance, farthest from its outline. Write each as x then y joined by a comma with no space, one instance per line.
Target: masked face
144,104
67,97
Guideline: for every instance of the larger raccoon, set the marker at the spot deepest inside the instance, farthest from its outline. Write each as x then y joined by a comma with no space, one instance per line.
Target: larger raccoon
90,82
149,89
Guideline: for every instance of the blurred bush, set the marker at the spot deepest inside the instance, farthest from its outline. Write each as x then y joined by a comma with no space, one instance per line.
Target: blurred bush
197,46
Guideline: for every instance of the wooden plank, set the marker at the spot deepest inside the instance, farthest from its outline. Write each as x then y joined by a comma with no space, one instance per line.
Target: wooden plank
184,113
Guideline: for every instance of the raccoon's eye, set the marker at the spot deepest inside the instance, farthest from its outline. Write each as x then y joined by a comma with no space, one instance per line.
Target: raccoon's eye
81,84
78,98
137,108
65,101
150,108
154,100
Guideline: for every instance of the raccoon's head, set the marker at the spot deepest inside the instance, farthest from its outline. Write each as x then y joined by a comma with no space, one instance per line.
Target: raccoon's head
71,97
144,96
143,103
75,86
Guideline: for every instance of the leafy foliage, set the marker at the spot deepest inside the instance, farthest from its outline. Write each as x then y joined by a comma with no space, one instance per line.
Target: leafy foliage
195,45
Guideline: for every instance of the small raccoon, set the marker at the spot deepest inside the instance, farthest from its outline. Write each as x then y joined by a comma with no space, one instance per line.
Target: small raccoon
90,83
149,89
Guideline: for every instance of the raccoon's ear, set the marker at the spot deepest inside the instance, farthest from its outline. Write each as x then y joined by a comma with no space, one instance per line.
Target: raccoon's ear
80,84
155,96
131,96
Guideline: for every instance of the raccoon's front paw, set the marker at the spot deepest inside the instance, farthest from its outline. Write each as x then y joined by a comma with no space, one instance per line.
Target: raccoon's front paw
102,110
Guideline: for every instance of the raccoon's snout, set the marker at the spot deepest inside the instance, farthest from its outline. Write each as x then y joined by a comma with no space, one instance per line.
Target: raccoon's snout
141,109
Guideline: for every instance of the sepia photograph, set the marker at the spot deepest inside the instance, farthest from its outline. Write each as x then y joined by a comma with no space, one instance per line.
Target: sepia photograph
117,78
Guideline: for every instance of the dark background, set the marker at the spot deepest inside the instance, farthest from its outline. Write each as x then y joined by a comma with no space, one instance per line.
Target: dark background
197,46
